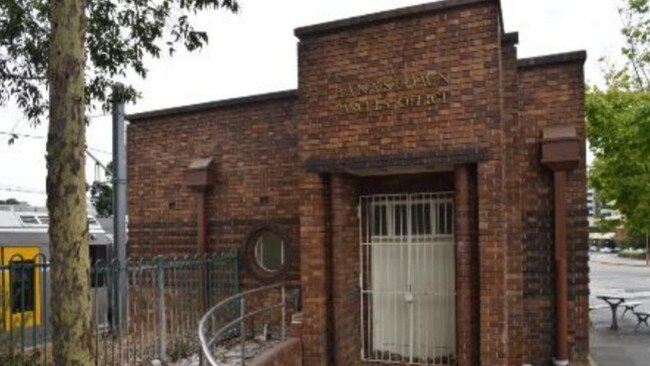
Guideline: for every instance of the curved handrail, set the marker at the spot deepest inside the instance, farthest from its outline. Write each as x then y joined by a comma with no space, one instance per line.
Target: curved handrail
208,340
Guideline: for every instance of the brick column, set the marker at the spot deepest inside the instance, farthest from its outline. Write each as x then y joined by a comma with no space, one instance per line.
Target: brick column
345,270
314,207
492,263
467,340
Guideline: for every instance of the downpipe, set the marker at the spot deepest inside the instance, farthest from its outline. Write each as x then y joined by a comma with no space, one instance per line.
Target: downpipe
561,286
560,153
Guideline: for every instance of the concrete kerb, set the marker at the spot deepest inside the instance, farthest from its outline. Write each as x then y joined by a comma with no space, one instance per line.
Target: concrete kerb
620,262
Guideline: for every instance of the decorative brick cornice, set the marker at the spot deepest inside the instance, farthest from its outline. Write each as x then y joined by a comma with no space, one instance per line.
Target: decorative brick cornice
569,57
431,158
510,38
193,108
384,16
171,225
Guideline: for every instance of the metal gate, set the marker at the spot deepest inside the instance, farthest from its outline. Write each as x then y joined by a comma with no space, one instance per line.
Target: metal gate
408,278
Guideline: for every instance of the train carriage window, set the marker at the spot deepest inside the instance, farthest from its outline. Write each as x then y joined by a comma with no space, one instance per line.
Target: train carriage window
31,220
22,286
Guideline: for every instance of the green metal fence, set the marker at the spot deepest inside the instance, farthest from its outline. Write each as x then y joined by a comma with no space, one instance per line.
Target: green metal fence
164,305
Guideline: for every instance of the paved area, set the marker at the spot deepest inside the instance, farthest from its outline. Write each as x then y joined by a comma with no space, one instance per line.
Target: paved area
613,259
623,346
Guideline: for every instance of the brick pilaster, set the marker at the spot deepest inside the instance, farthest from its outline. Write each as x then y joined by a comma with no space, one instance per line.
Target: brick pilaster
314,206
345,270
466,267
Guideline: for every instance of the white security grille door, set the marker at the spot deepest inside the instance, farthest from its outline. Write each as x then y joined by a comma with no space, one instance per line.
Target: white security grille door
408,278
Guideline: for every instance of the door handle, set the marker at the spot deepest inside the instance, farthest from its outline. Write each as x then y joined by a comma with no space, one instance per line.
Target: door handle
408,296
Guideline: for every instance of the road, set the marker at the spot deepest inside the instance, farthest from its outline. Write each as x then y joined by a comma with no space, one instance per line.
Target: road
623,346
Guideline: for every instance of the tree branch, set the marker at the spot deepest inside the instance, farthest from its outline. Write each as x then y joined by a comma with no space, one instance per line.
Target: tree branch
6,75
627,24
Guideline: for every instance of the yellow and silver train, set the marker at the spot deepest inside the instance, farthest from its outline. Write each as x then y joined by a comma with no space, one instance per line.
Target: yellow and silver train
24,267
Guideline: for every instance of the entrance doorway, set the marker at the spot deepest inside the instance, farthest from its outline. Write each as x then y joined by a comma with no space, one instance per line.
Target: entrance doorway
408,278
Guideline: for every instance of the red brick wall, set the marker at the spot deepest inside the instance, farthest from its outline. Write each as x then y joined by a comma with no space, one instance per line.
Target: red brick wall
552,95
513,184
315,267
461,42
289,162
467,265
254,148
345,270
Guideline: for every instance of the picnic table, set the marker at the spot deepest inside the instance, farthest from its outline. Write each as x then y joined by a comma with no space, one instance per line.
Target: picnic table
614,301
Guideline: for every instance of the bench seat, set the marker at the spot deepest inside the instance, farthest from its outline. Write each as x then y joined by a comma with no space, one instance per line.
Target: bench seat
629,306
642,318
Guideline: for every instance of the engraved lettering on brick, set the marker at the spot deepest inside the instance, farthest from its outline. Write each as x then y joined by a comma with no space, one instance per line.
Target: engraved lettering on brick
393,92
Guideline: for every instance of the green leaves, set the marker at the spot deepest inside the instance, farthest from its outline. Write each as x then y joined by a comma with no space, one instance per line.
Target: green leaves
120,35
618,123
619,135
635,74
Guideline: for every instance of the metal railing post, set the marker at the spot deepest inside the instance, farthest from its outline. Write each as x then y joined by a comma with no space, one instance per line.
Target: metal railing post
21,268
284,314
161,309
210,338
242,330
45,305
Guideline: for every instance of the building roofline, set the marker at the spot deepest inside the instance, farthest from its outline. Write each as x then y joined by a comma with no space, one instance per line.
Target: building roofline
559,58
510,38
192,108
384,16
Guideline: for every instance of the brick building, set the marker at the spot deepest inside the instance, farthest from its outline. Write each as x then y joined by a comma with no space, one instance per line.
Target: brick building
423,187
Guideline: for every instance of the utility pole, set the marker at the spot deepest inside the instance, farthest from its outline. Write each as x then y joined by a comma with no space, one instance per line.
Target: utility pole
119,214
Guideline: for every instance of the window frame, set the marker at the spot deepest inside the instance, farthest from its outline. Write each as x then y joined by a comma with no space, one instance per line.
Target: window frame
250,258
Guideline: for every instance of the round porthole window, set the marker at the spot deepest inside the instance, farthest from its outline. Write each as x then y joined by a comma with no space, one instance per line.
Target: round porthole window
269,251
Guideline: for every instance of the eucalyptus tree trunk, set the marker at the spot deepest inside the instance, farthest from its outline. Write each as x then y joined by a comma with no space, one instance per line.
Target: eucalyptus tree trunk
66,190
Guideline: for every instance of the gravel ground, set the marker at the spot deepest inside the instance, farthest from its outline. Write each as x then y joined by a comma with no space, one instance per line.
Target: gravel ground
229,355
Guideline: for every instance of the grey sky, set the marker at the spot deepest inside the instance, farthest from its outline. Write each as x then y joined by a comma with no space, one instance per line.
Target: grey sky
255,52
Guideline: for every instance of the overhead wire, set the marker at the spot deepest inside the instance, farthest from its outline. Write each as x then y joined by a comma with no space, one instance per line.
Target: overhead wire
21,189
40,137
11,133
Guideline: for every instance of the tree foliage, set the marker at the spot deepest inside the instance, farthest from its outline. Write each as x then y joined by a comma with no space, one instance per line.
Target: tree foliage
634,74
120,36
101,194
619,123
76,51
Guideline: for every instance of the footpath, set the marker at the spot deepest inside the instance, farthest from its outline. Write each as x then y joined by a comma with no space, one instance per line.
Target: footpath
625,346
615,260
